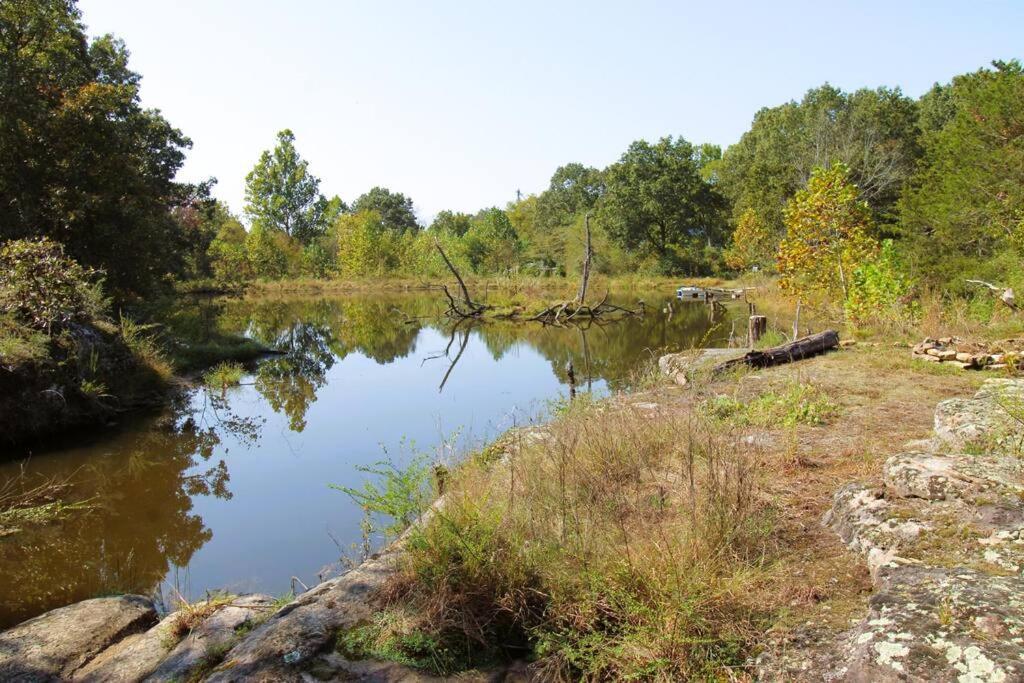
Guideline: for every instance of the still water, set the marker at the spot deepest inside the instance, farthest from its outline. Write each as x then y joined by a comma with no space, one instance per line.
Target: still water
230,489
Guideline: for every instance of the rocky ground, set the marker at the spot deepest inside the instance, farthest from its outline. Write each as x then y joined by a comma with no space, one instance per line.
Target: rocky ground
942,540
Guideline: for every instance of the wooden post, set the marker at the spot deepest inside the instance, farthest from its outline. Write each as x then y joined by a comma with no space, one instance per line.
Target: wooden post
757,325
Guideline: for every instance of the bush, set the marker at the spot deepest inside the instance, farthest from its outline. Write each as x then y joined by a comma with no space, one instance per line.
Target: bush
44,289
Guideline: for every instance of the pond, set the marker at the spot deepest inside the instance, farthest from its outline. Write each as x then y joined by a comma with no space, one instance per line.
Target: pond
231,489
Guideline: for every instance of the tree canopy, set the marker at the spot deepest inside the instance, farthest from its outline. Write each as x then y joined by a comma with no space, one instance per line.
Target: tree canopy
281,194
394,208
80,160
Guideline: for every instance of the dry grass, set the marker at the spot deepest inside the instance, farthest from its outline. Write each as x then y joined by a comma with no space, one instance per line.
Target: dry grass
623,541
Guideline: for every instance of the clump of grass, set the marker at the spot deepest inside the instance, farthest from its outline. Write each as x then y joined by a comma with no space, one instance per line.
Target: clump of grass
798,403
393,636
20,344
141,340
224,375
622,545
92,389
189,616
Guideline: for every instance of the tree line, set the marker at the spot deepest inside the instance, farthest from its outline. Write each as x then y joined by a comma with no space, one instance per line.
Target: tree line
861,195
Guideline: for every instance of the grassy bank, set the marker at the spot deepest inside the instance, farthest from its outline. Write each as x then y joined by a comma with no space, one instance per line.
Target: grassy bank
666,535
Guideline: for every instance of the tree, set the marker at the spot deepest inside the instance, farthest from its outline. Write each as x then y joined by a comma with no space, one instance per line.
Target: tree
492,243
753,245
81,161
873,132
963,211
228,255
394,208
366,246
281,194
452,223
657,201
827,235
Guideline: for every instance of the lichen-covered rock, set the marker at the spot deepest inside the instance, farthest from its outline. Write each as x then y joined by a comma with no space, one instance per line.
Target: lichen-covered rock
863,519
54,645
925,475
939,624
992,420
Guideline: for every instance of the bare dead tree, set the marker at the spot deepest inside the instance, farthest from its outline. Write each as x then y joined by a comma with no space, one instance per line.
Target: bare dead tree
473,309
588,255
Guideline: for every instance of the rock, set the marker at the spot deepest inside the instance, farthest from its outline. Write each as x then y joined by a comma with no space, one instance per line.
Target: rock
696,361
56,644
863,521
924,475
133,658
846,343
933,352
964,357
291,639
211,639
989,419
922,626
947,354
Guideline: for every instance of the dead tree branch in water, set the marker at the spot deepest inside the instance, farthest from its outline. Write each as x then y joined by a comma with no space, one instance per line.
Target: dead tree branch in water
474,310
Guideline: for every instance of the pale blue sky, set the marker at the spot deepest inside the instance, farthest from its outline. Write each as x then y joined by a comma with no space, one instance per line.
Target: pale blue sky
460,104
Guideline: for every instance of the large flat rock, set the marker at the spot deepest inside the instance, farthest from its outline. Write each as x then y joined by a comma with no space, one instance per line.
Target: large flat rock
54,645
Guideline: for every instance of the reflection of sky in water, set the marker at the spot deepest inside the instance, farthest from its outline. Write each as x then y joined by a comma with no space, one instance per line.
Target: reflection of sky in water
359,383
282,514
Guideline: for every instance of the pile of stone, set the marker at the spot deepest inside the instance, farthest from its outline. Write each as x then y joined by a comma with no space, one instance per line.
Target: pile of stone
969,356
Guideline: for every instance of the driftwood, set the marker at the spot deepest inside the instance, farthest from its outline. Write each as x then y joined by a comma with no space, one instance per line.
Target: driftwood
1004,294
786,353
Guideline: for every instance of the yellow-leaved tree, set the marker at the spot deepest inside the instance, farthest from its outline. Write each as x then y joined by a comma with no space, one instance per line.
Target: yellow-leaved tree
827,236
753,244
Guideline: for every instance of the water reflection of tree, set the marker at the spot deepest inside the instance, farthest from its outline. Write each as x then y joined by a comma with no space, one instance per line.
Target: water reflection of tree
289,382
140,486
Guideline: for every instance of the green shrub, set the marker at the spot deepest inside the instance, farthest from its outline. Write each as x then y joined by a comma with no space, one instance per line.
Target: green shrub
881,290
45,289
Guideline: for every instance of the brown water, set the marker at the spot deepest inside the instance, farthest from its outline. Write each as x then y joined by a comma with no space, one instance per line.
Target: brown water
231,490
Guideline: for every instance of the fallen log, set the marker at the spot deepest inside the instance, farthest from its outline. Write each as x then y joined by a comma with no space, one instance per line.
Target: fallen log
786,353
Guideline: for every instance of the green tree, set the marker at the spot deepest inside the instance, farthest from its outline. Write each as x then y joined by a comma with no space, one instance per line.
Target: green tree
366,246
394,208
964,209
753,245
827,236
452,223
873,132
656,201
81,161
281,194
228,255
492,243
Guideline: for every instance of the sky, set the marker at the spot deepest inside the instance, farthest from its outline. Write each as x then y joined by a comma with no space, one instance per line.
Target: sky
460,104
